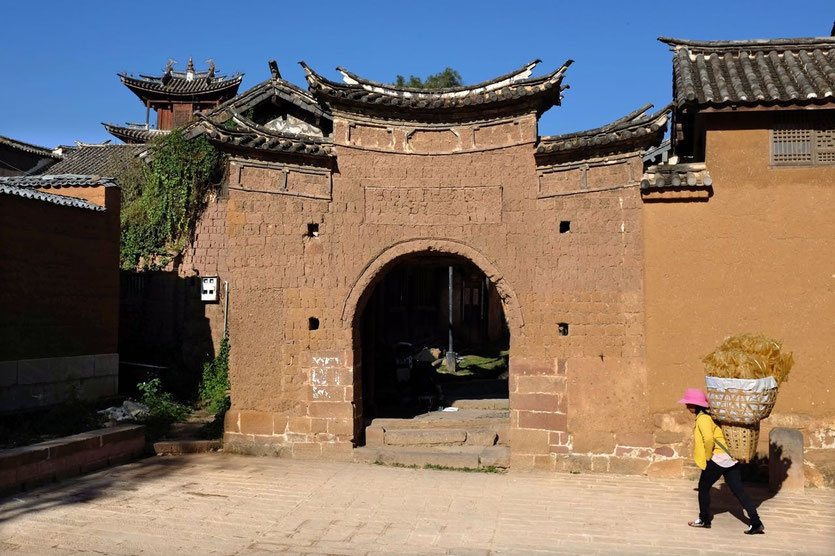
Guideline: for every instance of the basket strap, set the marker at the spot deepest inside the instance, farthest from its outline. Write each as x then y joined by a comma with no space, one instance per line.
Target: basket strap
716,440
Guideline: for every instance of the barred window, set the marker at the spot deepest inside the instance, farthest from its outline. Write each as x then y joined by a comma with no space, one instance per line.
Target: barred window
803,139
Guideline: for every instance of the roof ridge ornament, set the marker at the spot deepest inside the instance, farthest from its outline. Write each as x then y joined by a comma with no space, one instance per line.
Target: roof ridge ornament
190,70
274,69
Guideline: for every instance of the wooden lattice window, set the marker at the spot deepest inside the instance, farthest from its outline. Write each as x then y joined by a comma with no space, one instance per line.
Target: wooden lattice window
803,139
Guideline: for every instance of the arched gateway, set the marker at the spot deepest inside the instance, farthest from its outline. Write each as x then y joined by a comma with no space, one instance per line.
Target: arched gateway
431,207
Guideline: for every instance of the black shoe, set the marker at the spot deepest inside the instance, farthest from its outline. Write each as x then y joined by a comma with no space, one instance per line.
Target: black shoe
699,523
756,529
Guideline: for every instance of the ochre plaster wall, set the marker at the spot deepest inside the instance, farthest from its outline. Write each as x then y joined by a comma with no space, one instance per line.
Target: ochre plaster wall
756,257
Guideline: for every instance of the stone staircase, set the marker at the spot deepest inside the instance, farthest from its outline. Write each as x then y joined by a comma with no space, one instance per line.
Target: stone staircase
475,436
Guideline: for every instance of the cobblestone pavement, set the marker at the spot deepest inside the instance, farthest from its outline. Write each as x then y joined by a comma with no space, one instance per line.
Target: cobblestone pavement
224,504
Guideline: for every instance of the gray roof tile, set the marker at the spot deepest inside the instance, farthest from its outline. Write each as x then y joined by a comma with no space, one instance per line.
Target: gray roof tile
63,200
98,160
57,181
716,73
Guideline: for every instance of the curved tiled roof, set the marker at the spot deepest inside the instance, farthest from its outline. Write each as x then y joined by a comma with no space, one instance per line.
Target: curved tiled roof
753,72
133,134
63,200
99,160
179,86
512,89
636,129
29,148
250,136
58,181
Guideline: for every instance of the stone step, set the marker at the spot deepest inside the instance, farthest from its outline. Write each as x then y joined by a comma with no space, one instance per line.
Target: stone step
472,457
491,404
437,437
464,418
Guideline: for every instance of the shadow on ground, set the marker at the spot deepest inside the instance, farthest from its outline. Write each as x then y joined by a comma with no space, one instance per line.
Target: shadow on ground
107,483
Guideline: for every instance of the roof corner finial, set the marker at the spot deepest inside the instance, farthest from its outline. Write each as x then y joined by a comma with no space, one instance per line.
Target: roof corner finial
169,67
274,69
832,32
211,67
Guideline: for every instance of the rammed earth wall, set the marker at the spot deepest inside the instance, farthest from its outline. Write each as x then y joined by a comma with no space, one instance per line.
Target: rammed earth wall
645,289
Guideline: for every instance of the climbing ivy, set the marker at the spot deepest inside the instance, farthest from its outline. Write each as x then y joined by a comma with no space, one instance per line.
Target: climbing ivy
165,198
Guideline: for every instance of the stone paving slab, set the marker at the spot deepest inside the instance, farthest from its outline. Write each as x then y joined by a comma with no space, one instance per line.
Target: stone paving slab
224,504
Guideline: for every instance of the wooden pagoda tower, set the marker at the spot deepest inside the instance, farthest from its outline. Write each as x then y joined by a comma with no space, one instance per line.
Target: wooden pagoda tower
175,96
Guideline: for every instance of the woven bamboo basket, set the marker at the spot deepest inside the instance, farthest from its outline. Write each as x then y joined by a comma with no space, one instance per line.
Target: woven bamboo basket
739,412
735,406
742,440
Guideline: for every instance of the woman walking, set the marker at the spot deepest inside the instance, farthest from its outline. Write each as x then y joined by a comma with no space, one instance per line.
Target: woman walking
713,458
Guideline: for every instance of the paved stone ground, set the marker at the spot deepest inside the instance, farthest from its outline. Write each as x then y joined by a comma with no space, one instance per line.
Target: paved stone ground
224,504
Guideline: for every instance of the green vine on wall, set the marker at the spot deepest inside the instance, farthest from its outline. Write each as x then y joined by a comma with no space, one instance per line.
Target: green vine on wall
162,200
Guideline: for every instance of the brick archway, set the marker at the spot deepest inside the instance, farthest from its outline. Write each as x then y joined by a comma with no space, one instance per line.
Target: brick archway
363,286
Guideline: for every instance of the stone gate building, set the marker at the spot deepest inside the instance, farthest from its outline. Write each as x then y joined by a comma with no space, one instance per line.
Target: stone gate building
331,189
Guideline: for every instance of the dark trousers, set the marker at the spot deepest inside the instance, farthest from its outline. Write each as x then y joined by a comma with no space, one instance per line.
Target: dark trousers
733,478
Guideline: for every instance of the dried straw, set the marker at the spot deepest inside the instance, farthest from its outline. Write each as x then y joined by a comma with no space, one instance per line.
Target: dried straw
749,356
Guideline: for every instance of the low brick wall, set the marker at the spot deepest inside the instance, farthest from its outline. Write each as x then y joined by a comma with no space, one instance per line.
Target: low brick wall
29,466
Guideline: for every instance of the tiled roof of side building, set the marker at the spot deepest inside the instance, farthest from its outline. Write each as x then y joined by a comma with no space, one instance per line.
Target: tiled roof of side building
768,72
130,134
29,148
58,181
63,200
99,160
514,88
636,130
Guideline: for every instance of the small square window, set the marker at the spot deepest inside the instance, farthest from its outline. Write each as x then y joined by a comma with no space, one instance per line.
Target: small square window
313,230
313,323
562,329
565,226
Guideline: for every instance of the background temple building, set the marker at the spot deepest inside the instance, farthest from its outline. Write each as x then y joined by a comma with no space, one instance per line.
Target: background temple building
175,96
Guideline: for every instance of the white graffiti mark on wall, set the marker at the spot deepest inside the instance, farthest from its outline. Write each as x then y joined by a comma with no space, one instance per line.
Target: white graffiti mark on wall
326,361
321,378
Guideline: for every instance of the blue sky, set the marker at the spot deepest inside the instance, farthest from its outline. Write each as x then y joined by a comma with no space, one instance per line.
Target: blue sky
59,60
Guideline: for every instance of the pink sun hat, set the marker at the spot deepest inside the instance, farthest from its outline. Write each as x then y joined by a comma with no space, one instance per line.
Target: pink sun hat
695,396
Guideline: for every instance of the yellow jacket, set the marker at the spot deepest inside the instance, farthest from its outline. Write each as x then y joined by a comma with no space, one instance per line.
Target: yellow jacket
705,434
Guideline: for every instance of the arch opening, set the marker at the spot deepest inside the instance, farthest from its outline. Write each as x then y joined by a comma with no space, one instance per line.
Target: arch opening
402,331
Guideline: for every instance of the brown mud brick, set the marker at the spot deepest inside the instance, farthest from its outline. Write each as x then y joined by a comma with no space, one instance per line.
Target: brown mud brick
638,439
340,426
538,402
526,441
256,422
593,442
299,424
542,420
342,451
330,409
668,437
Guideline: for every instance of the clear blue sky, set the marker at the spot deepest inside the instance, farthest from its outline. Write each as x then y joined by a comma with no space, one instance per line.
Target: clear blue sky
59,60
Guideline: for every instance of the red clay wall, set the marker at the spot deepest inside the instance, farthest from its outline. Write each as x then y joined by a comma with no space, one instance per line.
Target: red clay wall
470,190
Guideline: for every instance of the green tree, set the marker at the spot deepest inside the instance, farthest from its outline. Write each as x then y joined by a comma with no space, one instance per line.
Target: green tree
443,80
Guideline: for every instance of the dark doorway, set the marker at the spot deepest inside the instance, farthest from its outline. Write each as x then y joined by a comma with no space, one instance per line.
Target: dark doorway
405,330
